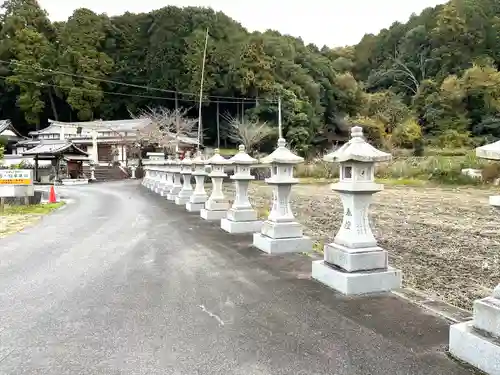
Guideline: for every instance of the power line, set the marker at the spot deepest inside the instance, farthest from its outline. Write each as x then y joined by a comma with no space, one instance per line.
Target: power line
241,99
43,84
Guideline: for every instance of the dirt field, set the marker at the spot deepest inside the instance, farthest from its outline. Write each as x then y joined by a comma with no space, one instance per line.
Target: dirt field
445,240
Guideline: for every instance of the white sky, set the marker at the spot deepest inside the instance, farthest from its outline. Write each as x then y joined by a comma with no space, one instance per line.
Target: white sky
330,22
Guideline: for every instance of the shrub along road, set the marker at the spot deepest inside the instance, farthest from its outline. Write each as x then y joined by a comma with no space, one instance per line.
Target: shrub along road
123,282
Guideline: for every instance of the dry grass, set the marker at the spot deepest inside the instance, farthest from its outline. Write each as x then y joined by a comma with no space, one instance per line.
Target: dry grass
445,240
16,218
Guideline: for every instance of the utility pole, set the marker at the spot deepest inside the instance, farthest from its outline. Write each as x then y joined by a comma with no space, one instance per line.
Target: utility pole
280,125
176,124
200,125
218,127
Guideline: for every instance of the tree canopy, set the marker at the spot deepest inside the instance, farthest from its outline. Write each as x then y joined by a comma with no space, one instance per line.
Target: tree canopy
434,76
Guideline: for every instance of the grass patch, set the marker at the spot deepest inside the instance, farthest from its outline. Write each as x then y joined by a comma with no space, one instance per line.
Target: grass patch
35,209
402,182
228,151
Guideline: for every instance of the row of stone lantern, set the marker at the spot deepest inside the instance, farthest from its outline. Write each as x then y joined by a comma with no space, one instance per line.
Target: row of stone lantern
353,263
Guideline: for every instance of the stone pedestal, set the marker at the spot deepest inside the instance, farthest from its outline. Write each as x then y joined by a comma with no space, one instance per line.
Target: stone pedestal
354,263
145,176
92,173
199,197
187,190
169,182
176,180
162,180
132,172
478,342
241,217
217,205
280,233
153,162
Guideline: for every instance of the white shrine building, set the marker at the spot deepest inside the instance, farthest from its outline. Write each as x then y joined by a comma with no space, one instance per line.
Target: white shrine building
104,141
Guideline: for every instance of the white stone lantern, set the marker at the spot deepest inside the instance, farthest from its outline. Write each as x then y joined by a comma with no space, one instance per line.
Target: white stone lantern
92,172
281,233
147,173
154,159
162,177
199,196
169,177
241,217
176,175
186,172
133,169
354,263
477,342
217,205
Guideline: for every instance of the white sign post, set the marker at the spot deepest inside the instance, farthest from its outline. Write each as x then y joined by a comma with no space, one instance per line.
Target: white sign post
15,183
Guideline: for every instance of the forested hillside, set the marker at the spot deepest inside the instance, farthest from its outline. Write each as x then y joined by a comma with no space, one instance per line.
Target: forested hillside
433,79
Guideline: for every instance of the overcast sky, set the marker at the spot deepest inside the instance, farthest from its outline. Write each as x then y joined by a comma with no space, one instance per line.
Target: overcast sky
330,22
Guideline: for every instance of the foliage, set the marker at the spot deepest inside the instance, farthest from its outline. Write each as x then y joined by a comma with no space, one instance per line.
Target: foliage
406,134
373,130
439,71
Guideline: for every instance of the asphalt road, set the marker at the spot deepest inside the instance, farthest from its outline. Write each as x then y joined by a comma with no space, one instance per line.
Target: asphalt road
121,281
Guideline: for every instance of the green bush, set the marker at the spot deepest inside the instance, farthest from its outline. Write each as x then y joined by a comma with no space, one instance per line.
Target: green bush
406,134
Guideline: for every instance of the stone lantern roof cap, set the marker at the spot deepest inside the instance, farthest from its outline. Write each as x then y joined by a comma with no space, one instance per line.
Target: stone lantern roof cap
187,159
217,159
282,155
198,159
357,149
490,151
242,157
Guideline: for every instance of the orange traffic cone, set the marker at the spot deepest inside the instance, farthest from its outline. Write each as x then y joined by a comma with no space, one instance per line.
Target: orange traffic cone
52,195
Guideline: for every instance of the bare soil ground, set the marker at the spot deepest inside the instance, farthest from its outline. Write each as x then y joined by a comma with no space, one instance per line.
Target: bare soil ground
445,240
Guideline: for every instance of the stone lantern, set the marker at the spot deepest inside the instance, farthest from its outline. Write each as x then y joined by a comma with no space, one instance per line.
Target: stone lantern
175,167
162,177
477,342
147,173
186,172
354,263
241,217
92,172
217,205
281,233
168,177
199,196
133,168
154,159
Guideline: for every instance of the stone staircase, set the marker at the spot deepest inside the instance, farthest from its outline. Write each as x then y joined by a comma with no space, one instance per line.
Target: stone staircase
106,173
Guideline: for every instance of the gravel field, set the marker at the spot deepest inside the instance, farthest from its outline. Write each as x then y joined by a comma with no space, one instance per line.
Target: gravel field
445,240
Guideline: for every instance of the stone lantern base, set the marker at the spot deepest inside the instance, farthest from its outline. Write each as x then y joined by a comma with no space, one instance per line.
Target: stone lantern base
214,210
165,191
356,271
182,198
196,203
281,238
173,193
478,342
241,221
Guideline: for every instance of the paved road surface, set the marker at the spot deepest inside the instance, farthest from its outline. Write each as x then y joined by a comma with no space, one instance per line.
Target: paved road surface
122,282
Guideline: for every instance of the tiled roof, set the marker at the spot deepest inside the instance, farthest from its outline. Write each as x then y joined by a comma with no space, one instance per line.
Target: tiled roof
99,125
55,147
